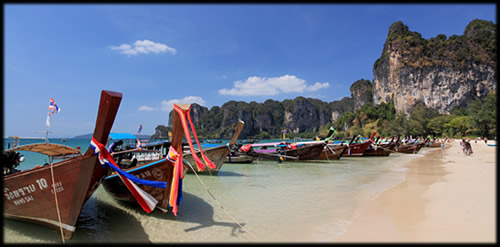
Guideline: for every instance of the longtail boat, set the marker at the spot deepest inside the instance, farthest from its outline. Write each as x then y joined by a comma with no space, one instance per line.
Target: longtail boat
357,149
217,154
53,194
409,148
332,152
284,150
433,143
239,157
169,170
380,149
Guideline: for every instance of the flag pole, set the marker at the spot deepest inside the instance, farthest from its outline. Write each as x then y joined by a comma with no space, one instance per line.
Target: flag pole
47,126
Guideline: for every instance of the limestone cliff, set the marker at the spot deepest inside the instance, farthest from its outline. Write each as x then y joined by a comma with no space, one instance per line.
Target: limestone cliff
441,73
362,93
297,116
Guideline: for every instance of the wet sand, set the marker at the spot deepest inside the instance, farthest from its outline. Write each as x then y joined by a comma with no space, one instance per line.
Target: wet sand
447,198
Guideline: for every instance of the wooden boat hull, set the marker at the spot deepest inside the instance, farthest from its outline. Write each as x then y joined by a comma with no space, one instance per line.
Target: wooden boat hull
332,152
356,149
434,145
215,154
159,170
382,150
409,148
30,195
305,152
239,158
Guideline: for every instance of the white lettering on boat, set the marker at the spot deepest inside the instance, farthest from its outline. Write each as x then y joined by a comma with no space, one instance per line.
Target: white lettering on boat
42,183
145,174
20,192
23,200
58,186
23,194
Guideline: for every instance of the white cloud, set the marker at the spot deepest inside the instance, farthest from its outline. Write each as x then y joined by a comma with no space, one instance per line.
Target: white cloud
168,105
147,108
143,46
317,86
261,86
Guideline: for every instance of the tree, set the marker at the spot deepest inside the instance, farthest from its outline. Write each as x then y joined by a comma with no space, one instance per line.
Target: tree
483,115
461,125
436,125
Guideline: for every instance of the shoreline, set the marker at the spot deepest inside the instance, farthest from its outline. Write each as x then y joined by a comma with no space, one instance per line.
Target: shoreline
447,197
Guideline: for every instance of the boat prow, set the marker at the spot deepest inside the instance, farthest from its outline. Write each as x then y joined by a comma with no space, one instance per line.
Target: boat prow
54,194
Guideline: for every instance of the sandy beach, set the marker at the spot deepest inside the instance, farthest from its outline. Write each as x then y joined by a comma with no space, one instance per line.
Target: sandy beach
447,198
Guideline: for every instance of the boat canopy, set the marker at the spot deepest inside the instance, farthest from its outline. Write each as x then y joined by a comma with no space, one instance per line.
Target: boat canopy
267,144
50,149
118,136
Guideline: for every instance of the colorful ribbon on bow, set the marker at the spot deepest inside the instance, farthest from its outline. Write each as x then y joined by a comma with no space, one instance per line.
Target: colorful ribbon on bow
183,115
178,174
147,202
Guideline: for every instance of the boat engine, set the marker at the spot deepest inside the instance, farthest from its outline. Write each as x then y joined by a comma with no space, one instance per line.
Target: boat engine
11,160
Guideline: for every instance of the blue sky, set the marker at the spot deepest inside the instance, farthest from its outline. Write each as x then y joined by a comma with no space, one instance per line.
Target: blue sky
160,54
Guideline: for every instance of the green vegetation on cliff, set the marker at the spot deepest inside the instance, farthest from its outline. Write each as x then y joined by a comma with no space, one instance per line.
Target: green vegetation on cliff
476,45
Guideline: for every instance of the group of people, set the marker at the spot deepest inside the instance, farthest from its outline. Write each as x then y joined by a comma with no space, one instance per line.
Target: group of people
466,147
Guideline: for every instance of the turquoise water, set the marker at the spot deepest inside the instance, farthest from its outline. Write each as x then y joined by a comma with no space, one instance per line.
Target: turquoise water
287,202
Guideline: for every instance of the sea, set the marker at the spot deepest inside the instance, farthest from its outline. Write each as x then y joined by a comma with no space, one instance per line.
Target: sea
262,202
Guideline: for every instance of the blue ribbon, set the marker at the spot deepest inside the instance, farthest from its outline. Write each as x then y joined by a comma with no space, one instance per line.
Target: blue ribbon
158,184
101,155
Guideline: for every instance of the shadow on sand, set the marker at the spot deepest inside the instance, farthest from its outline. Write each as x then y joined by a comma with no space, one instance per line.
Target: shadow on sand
192,209
99,222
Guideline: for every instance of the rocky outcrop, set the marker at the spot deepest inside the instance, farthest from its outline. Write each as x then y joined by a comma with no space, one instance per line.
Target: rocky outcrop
297,116
362,93
441,73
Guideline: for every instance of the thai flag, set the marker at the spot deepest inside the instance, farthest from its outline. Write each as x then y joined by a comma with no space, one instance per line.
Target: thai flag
53,106
140,129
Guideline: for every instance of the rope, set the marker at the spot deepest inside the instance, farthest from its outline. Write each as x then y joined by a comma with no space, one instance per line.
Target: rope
57,203
220,205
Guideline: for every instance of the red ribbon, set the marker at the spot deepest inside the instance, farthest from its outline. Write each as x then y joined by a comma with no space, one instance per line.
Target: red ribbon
200,165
